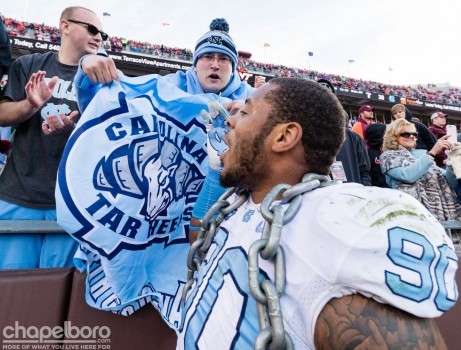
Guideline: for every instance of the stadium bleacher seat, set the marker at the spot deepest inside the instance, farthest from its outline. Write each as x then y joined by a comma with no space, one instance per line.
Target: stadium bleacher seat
49,297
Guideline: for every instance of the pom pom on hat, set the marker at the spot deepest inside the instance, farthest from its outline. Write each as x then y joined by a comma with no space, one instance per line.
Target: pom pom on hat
219,24
217,40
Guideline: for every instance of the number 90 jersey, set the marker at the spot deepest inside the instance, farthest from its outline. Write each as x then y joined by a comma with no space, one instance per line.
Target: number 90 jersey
345,239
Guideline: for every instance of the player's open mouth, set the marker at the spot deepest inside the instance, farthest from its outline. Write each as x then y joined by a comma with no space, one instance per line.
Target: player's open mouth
226,141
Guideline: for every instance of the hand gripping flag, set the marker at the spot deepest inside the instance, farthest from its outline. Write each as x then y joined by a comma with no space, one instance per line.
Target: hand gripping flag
128,179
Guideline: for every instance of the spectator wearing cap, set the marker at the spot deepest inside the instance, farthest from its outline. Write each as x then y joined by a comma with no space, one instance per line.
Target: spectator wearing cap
438,128
365,118
214,67
425,140
439,123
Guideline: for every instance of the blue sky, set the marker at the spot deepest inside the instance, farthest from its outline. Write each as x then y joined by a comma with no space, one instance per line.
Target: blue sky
419,40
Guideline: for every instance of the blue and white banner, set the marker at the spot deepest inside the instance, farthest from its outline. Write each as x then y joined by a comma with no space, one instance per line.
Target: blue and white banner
128,179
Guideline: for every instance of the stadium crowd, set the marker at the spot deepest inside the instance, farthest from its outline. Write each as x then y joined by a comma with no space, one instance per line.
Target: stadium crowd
288,131
431,93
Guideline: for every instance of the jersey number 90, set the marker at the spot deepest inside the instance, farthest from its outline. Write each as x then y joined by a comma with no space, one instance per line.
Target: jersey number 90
424,267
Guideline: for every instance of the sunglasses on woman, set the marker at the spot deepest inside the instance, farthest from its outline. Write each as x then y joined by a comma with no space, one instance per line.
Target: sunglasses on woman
91,29
407,135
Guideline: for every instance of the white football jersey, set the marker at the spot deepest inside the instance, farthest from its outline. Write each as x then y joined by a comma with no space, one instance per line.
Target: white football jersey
345,239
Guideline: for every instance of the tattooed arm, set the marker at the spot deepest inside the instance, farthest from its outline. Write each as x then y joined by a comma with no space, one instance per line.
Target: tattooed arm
357,322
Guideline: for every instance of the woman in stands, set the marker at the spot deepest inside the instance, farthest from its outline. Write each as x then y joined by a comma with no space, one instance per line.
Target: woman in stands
414,171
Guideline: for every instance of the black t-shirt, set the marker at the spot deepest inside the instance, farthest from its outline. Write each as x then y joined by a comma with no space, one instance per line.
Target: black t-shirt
29,177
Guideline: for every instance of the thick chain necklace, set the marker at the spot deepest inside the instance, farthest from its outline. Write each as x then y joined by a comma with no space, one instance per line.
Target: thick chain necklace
266,293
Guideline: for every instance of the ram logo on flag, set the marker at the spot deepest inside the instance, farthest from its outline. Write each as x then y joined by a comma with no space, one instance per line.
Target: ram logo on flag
148,156
127,182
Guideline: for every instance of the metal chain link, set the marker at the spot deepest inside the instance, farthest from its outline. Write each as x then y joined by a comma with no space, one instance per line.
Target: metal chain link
210,223
266,293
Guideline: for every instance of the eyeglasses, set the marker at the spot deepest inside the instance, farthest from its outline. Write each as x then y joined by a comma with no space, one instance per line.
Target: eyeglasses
222,60
91,29
407,135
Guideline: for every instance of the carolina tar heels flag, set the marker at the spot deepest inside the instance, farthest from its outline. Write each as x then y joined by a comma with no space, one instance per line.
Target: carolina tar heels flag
128,178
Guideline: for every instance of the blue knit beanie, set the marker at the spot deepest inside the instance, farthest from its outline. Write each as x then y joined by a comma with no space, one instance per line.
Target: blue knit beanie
217,40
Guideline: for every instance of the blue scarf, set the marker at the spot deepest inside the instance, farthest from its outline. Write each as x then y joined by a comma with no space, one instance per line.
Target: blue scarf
188,81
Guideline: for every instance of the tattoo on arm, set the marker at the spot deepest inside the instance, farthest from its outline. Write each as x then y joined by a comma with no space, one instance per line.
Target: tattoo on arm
357,322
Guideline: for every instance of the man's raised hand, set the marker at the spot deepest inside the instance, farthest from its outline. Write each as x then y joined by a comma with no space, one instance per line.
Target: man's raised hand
38,91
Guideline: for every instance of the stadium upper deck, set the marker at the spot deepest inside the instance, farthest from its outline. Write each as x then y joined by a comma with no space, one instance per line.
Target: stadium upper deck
136,63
